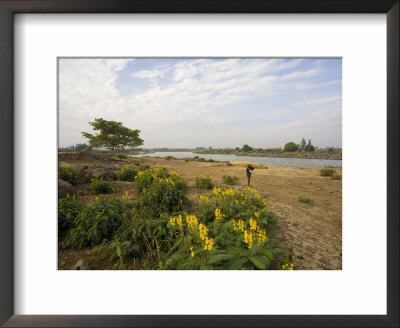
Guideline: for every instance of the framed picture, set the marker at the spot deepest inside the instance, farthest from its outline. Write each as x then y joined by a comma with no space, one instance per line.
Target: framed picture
58,54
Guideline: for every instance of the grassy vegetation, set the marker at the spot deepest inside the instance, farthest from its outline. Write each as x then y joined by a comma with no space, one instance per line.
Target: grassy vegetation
228,230
68,174
336,177
230,180
100,186
306,200
204,182
127,174
327,172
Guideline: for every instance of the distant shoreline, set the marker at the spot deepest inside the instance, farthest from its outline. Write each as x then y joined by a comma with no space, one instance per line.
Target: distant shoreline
304,155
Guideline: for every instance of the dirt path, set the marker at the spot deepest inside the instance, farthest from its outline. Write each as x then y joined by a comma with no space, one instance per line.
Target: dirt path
312,232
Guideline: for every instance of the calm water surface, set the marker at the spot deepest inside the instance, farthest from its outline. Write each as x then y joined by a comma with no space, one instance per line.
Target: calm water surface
274,161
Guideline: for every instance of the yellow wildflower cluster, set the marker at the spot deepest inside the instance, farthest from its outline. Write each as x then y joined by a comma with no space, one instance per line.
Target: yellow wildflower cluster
73,196
253,224
248,238
167,180
203,230
287,266
176,220
191,251
192,220
95,177
172,172
217,191
251,237
218,214
209,242
239,225
228,192
125,195
203,198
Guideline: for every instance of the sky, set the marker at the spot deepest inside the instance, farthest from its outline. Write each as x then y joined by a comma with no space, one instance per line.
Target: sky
204,102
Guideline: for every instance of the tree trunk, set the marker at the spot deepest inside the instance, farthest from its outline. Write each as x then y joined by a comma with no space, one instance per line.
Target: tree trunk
86,151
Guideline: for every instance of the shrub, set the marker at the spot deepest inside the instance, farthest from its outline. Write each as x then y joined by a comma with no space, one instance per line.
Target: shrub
100,186
144,167
68,210
204,182
127,174
195,157
122,156
230,180
187,160
229,164
161,191
201,159
98,222
326,172
68,174
235,234
306,200
169,157
137,164
211,160
336,177
290,146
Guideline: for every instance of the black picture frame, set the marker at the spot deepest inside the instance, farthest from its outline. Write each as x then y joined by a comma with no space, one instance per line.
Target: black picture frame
10,7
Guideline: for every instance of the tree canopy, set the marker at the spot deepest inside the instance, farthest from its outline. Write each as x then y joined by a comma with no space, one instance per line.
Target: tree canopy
290,146
113,135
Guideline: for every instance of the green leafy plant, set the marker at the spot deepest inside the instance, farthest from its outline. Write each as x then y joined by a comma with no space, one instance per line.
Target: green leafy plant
230,231
100,186
98,222
161,191
204,182
122,156
306,200
326,172
169,157
230,180
68,174
68,210
127,174
336,177
290,146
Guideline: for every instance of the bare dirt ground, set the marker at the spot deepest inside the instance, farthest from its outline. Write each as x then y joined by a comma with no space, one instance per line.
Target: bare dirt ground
313,233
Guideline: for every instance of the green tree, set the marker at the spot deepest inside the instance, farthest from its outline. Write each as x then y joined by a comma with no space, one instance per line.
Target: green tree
290,146
309,147
247,148
302,144
111,134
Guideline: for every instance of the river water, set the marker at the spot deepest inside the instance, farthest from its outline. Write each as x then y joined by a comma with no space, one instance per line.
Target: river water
273,161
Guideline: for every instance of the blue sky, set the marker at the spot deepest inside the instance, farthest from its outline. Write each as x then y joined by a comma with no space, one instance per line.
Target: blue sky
194,102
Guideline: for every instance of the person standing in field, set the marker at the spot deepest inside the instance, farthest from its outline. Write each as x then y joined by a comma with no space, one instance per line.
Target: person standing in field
249,168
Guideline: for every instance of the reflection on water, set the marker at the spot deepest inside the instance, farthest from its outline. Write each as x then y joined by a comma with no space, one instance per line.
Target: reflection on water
274,161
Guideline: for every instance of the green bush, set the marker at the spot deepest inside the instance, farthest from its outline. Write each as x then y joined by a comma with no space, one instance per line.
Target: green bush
68,174
211,160
230,180
98,222
161,191
201,159
127,174
204,182
231,231
229,164
306,200
195,157
169,157
100,186
122,156
290,146
68,210
326,172
336,177
187,160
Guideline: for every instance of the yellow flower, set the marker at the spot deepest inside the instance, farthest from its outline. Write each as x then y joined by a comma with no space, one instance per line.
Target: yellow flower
257,214
209,242
97,198
253,224
218,214
179,220
239,225
191,220
203,230
191,251
248,238
172,221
